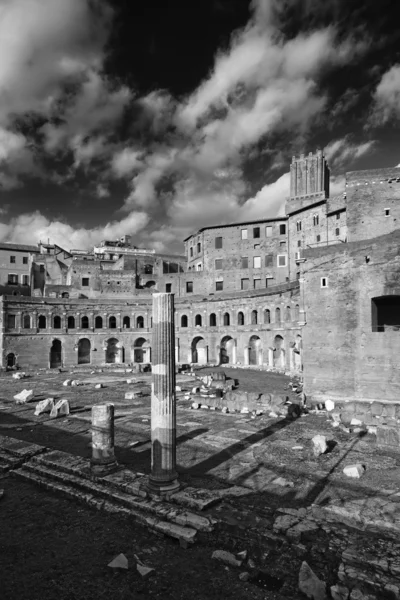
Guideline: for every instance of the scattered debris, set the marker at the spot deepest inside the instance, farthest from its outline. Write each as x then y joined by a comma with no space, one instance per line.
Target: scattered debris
44,406
242,555
67,382
329,405
19,375
244,576
60,409
319,445
297,447
309,583
339,592
145,571
119,562
76,383
226,557
355,421
283,482
354,471
98,386
23,396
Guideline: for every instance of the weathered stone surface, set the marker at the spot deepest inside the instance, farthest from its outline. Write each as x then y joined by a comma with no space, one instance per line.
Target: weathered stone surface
67,382
310,585
145,571
285,522
23,396
388,436
226,557
59,409
354,471
339,592
319,445
329,405
44,406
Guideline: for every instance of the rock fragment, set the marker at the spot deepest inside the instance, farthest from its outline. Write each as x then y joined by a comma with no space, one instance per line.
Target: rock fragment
144,571
98,386
329,405
44,406
119,562
339,592
23,396
226,557
67,382
309,583
60,409
319,445
354,471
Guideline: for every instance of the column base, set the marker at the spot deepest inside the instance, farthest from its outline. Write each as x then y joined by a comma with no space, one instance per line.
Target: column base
162,488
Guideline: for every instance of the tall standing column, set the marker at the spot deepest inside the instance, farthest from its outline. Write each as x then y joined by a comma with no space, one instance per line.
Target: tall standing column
103,459
163,478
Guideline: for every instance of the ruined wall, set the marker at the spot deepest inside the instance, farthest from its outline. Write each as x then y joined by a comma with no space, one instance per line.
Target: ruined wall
345,357
307,227
369,194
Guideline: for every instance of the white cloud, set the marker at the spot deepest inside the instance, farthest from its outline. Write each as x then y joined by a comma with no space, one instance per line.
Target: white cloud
387,97
343,152
32,227
125,161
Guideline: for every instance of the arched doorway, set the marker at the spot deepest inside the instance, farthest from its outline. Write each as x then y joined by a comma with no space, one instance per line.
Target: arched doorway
228,350
279,353
114,352
84,351
141,351
11,360
56,354
255,357
199,351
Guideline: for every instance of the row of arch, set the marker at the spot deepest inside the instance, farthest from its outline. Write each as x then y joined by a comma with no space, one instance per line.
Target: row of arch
288,315
26,322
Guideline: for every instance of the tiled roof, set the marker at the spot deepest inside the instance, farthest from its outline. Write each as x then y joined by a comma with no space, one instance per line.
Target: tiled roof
20,247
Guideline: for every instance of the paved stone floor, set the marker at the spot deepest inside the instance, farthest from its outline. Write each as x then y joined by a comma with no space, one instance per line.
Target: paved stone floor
267,462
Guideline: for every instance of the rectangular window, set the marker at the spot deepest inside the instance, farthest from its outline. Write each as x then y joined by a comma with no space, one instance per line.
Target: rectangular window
85,281
219,286
318,238
25,279
282,245
256,246
13,279
256,262
245,284
269,281
282,229
299,243
257,283
337,231
218,242
324,282
12,259
218,264
387,212
11,321
298,225
191,252
338,215
189,287
269,260
199,267
198,248
24,260
256,232
244,262
168,288
281,260
244,234
268,231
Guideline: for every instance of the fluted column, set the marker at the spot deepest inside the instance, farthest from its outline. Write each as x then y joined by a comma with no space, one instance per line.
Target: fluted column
163,478
103,459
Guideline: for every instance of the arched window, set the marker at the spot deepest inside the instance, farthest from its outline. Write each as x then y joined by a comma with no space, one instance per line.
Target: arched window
184,321
296,312
98,323
85,323
277,315
213,320
227,319
71,323
26,322
42,322
140,322
288,315
197,320
126,322
112,322
267,316
254,317
240,318
57,322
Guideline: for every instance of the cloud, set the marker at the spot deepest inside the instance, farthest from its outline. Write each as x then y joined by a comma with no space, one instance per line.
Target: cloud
387,98
341,153
32,227
125,161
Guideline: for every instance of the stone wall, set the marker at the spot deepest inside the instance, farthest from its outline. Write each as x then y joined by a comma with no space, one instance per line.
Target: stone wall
346,357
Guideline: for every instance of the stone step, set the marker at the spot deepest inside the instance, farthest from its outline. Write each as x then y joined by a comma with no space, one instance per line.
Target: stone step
182,521
19,448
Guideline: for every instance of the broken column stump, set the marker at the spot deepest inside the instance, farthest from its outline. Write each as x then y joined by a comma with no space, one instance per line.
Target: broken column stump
163,479
103,459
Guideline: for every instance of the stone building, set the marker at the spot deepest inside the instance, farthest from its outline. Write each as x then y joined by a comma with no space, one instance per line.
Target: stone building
316,289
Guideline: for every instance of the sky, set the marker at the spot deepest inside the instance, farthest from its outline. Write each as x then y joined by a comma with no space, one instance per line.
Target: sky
157,118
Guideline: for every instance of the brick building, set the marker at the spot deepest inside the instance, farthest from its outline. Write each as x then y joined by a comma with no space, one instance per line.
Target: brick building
316,288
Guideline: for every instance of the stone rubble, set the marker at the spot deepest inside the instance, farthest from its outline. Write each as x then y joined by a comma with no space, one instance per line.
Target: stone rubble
119,562
24,396
310,585
319,445
144,571
61,408
44,406
227,558
354,471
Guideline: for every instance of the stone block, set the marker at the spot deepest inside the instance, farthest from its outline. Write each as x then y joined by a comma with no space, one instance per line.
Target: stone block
44,406
355,471
362,408
389,410
388,436
319,444
61,408
376,409
310,585
67,382
23,396
227,558
98,386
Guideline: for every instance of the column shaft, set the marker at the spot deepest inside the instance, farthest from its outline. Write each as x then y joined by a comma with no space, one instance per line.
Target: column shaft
103,459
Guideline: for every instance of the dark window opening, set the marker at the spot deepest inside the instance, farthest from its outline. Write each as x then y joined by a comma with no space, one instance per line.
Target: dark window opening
269,260
218,242
168,288
219,286
385,313
11,321
244,284
184,321
278,315
140,323
126,322
197,320
198,248
267,316
12,259
71,323
57,322
98,323
85,281
227,319
256,232
282,229
112,322
26,322
189,287
254,317
24,260
240,318
213,320
85,323
42,322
